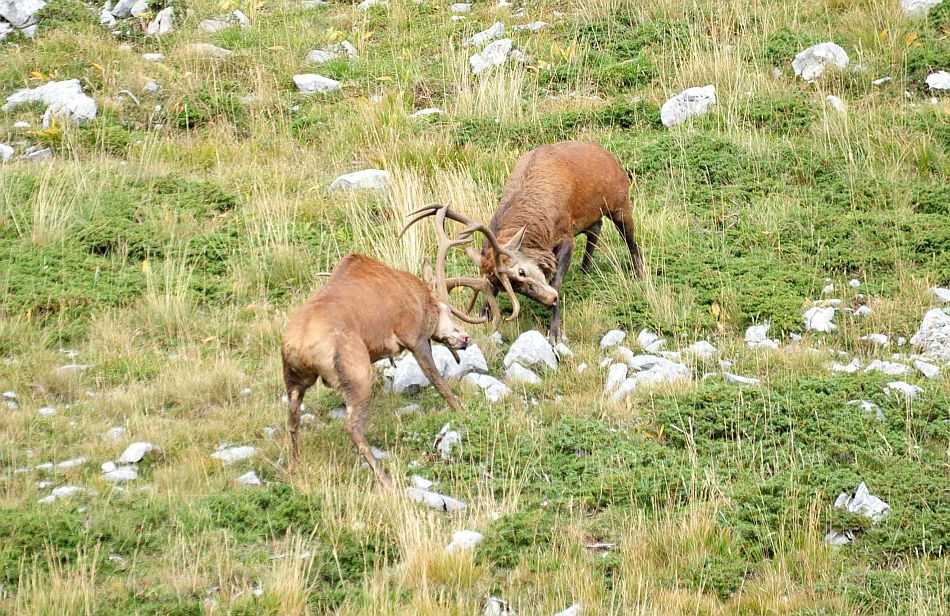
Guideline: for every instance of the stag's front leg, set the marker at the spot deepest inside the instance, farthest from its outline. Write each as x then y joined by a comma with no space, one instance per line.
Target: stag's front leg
423,355
563,262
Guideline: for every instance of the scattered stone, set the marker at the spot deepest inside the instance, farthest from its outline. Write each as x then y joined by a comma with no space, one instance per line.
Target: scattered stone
368,4
612,338
901,387
153,57
21,13
878,339
811,63
448,442
421,482
849,368
881,81
941,293
163,23
836,539
373,179
250,478
927,369
828,289
310,83
819,319
67,464
854,283
616,375
868,406
464,540
534,26
863,311
338,413
152,87
574,610
6,153
530,349
65,100
122,474
581,367
837,103
497,30
114,434
409,409
428,111
460,7
650,342
493,55
740,380
319,56
46,411
207,50
865,503
230,455
37,154
496,338
210,26
756,337
516,373
493,389
939,80
136,452
313,4
887,367
651,371
686,104
435,500
703,349
918,8
496,606
471,359
933,336
63,492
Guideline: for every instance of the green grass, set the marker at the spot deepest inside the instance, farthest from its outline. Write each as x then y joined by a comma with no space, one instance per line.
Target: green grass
169,239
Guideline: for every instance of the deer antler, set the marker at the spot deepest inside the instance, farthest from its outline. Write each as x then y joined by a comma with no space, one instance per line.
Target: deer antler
441,212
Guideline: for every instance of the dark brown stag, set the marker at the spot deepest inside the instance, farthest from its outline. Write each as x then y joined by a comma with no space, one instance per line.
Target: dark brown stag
555,192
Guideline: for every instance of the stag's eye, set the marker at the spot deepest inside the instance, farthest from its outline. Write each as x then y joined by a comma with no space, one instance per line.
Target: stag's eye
521,273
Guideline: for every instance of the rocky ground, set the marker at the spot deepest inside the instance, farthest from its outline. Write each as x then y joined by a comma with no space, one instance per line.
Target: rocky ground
761,425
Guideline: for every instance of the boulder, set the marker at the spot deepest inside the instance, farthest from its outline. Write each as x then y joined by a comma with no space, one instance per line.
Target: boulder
21,13
811,63
65,100
493,55
371,179
686,104
531,348
933,335
516,373
310,83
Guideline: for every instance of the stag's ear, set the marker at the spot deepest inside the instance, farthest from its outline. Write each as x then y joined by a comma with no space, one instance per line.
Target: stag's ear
428,276
514,244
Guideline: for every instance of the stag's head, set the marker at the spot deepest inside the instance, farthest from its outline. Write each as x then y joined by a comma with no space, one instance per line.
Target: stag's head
523,274
447,329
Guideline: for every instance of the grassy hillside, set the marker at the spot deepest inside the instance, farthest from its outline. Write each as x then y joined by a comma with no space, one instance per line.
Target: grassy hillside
165,243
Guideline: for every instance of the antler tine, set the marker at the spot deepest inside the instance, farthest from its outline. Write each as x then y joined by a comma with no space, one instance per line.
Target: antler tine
480,286
444,245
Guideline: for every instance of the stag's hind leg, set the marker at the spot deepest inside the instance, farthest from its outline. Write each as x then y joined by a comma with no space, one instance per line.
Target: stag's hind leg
623,220
354,373
593,234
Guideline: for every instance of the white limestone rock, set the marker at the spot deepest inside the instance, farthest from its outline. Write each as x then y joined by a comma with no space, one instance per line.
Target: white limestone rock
311,83
6,153
428,111
207,50
340,50
903,388
464,540
65,100
864,503
434,500
811,63
496,30
530,349
493,55
933,335
136,452
367,179
516,373
703,349
493,389
616,375
650,342
250,478
21,13
939,80
688,103
850,368
918,8
612,338
740,380
887,367
756,337
230,455
163,23
819,319
927,369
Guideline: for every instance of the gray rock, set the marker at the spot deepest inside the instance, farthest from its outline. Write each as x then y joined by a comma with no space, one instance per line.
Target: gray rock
941,294
64,492
6,153
422,113
496,606
918,8
516,373
496,30
863,311
688,103
367,4
849,368
409,378
73,463
562,350
702,348
811,63
876,339
448,442
21,13
933,335
471,360
819,319
530,349
740,380
868,406
5,30
65,100
47,411
153,57
435,500
136,452
581,367
152,88
230,455
464,540
338,413
836,539
344,49
368,179
123,9
756,337
207,50
250,478
651,371
864,503
493,389
139,8
210,26
574,610
241,18
163,23
927,369
122,474
650,342
534,26
106,18
421,482
460,7
493,55
903,388
612,338
616,375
